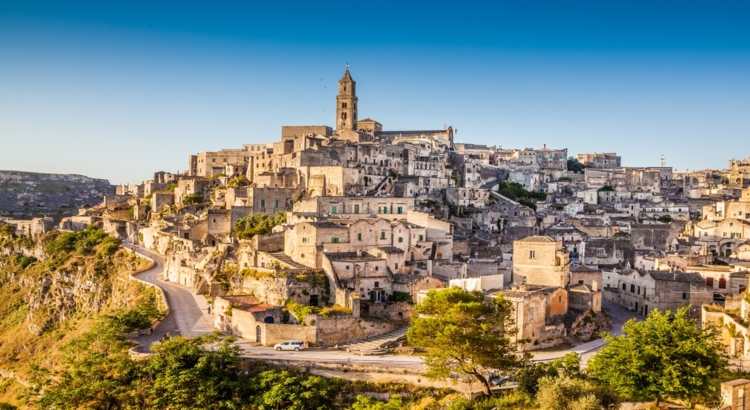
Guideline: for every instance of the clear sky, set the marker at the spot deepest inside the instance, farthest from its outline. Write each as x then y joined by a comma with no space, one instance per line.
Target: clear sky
119,90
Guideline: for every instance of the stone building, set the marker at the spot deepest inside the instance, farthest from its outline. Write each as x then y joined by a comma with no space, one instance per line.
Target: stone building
540,260
536,310
600,160
643,291
546,158
585,275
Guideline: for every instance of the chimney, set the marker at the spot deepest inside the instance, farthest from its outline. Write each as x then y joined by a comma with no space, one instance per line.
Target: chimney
359,252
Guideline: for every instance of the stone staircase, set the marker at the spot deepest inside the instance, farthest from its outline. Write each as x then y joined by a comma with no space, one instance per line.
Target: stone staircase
284,258
375,344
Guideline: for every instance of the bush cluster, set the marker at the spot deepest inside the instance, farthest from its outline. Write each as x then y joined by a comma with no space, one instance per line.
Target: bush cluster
250,226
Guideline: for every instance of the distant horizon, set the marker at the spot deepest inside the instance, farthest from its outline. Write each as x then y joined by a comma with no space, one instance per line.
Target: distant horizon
119,91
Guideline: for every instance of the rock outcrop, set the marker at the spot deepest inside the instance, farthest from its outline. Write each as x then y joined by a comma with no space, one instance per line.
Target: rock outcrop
25,195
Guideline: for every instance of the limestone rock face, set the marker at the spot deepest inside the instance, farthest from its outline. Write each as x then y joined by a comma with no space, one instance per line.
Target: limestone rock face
27,194
53,296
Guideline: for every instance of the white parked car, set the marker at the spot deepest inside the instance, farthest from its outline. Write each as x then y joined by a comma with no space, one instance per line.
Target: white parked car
295,345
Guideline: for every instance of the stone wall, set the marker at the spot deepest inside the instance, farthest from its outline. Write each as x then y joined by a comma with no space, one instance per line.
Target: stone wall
340,329
398,311
585,301
276,291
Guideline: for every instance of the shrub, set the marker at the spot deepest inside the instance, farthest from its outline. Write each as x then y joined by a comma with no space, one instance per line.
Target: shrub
397,296
7,230
82,242
193,199
335,310
249,226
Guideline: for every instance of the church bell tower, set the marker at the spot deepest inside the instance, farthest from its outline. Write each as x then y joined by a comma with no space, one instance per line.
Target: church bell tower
346,103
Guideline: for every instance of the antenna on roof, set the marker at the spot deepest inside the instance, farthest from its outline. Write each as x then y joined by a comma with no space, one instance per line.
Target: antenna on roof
663,162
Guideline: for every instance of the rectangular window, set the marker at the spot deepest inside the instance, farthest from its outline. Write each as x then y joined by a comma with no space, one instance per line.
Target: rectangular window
334,209
356,208
710,282
397,266
377,284
421,238
601,253
335,240
400,209
632,288
684,295
531,313
623,286
532,254
382,234
359,236
275,203
400,240
262,203
305,240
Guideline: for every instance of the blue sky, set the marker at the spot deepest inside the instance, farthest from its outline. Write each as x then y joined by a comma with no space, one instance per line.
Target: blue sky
121,90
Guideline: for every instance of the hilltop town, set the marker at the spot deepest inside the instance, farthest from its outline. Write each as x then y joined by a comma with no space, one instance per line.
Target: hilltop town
332,235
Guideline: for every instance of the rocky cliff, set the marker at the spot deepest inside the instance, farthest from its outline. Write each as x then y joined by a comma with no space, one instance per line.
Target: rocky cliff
28,194
52,290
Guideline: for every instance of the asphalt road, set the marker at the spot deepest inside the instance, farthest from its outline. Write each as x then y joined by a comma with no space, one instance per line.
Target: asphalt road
186,317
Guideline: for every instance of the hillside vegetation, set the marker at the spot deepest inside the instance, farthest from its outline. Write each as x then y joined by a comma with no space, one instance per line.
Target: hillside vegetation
52,291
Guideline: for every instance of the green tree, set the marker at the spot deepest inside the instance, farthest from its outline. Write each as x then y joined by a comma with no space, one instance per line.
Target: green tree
664,356
294,391
465,333
197,373
249,226
528,377
97,372
575,166
665,218
368,403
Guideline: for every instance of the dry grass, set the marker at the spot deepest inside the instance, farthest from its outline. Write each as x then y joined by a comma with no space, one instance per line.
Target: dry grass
20,349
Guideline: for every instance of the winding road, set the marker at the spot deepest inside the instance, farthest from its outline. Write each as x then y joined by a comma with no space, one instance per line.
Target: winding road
186,316
189,317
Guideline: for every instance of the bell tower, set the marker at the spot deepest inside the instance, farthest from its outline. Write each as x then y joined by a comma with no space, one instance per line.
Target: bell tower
346,103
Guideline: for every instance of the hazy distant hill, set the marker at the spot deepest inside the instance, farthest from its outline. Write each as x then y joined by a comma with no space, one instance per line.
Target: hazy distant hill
29,194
